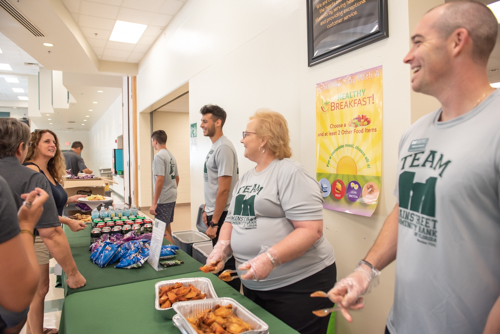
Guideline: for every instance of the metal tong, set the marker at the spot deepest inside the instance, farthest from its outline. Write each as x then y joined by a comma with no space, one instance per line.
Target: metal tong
227,275
326,311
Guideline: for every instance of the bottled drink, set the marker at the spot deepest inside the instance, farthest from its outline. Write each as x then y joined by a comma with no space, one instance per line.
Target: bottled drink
95,214
134,211
126,211
102,212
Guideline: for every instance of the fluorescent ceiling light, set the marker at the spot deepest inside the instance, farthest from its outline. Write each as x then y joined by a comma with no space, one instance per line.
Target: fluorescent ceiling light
83,124
5,67
495,85
88,115
90,110
99,91
51,123
18,90
49,119
47,114
48,44
84,120
11,80
495,8
94,102
127,32
24,98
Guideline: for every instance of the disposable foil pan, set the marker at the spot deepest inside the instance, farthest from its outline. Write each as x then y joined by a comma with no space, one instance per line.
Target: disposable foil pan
194,308
201,283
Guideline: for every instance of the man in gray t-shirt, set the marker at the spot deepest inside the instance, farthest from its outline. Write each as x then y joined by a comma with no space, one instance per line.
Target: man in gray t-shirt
220,174
445,227
74,161
165,182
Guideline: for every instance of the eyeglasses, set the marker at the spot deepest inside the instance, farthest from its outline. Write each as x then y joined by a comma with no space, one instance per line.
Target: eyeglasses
246,133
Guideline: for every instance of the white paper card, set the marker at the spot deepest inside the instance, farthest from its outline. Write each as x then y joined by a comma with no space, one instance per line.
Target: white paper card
156,243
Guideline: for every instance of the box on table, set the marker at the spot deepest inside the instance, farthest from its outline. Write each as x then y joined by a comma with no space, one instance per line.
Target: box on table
186,239
85,186
201,251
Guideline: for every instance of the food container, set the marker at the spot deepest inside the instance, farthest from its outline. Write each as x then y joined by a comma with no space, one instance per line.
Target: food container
137,228
119,224
201,251
116,230
106,230
148,221
100,225
94,235
129,223
186,239
126,229
138,221
148,228
201,283
110,224
193,308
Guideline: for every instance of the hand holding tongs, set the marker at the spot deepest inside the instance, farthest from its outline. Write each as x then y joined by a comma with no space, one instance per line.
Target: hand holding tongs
227,275
326,311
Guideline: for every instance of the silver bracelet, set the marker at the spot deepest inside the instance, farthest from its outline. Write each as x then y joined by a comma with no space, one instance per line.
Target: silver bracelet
271,258
367,263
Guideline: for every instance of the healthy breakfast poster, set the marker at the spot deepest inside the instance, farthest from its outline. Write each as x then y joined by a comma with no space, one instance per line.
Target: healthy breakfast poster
349,141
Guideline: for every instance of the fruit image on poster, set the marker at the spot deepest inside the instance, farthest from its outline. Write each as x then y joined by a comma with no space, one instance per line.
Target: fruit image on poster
349,141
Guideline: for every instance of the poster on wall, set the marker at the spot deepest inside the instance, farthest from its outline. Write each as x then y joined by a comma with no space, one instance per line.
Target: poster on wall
349,141
336,27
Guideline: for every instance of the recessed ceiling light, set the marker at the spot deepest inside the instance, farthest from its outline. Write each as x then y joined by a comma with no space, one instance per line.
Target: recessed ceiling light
127,32
84,120
50,123
5,67
24,98
11,80
83,124
495,85
90,110
49,119
99,91
495,8
48,44
47,114
94,102
87,116
18,90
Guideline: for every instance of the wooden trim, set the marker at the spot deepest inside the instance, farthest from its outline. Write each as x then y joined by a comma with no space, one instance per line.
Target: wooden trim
135,140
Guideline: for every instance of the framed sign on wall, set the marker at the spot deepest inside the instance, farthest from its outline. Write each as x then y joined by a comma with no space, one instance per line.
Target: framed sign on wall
336,27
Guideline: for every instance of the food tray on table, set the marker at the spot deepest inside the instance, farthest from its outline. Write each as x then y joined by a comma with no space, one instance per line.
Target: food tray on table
196,307
201,283
95,203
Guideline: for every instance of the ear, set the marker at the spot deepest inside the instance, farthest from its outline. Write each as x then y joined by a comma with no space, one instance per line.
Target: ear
218,123
20,149
264,141
459,41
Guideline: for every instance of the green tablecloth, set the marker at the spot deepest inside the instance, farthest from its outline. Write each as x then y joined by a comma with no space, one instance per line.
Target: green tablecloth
130,308
80,238
110,276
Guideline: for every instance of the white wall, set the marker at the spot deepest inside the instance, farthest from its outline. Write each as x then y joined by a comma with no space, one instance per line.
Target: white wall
102,137
176,125
254,54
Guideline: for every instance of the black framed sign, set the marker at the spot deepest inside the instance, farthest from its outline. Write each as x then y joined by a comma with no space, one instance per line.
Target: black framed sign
336,27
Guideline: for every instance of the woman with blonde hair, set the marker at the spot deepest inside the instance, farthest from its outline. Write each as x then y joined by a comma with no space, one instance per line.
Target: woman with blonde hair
274,229
45,156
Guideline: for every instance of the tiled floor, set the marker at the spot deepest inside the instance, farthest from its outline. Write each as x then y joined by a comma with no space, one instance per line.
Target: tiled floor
55,298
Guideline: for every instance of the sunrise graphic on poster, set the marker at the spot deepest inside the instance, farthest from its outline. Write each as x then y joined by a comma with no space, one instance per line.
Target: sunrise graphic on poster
349,141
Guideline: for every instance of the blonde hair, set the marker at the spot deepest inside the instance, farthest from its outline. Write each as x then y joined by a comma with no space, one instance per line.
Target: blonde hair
56,165
274,127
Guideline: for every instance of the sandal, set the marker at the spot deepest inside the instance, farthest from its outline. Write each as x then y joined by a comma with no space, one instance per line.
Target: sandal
50,331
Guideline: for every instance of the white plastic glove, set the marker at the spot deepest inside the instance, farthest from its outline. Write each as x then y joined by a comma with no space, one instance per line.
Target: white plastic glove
219,256
348,291
261,266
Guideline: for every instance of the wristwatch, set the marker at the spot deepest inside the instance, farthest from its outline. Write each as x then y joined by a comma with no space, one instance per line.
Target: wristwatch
212,224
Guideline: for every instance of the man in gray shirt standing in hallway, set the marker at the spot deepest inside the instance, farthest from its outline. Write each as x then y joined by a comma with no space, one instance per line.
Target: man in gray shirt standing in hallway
74,161
166,181
445,226
220,174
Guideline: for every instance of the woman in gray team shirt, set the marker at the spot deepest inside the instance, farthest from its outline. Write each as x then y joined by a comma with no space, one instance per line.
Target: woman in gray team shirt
274,230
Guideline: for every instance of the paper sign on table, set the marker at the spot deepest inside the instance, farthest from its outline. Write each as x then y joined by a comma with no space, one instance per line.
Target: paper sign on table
156,243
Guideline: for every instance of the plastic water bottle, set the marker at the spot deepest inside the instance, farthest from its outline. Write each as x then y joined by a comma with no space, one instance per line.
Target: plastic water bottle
134,211
126,211
95,214
102,212
111,212
118,212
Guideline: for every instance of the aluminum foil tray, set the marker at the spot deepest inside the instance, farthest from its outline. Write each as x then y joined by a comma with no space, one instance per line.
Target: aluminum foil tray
201,283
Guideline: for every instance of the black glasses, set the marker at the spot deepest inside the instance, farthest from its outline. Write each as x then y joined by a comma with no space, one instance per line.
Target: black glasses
246,133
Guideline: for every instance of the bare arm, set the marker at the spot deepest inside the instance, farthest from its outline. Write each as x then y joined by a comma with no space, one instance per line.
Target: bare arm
57,243
220,203
87,171
157,192
177,180
74,225
493,322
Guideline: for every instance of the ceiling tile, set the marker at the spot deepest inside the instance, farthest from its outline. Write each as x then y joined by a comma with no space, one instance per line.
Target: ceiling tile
153,31
116,53
113,58
146,40
134,61
147,5
171,7
137,55
100,10
135,16
161,20
141,48
75,17
120,46
98,43
72,5
109,2
96,22
101,34
98,51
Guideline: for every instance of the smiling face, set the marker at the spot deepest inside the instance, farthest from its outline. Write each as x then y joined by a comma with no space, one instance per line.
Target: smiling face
252,142
428,57
208,125
47,145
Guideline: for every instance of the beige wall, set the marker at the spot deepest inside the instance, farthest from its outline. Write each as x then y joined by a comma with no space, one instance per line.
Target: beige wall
176,125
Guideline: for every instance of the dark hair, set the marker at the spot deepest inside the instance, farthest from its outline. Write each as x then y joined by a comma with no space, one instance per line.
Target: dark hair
160,136
477,19
12,133
77,144
216,111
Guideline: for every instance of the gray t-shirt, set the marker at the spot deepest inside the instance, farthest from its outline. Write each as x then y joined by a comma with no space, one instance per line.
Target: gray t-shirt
164,164
221,160
447,272
23,180
9,225
263,206
74,162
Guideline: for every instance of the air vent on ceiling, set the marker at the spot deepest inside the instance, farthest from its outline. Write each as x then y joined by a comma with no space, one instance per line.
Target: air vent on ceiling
31,64
20,18
71,122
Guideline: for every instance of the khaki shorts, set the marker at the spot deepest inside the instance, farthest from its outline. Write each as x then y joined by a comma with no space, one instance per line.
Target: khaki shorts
42,252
